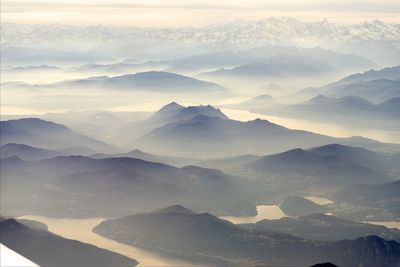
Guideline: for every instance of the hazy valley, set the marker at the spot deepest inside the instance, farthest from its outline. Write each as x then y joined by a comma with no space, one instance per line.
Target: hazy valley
271,142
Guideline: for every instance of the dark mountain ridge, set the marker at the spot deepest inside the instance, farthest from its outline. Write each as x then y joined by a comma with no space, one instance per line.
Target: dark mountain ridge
190,235
77,186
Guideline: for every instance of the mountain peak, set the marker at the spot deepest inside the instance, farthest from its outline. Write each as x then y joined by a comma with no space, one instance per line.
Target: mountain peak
260,122
172,106
193,111
175,209
166,111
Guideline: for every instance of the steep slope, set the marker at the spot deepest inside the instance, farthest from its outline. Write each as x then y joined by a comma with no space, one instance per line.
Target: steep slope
170,113
174,112
47,249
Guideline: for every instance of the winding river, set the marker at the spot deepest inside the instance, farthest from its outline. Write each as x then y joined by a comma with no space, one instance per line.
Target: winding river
81,230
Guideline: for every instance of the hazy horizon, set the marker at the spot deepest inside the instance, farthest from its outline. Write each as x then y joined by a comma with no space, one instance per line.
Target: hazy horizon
176,13
200,133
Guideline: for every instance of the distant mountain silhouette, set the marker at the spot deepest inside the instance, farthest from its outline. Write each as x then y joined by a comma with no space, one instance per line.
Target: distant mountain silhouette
178,209
174,112
192,235
375,86
46,135
390,73
156,81
344,102
47,249
260,101
348,110
342,109
278,66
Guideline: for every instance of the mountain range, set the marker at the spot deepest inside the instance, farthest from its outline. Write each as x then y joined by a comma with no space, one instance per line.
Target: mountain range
375,85
283,67
343,111
376,36
170,113
77,186
215,133
323,169
155,81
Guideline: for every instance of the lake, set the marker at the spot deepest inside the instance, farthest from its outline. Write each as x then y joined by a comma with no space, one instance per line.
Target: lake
387,224
320,200
269,212
81,230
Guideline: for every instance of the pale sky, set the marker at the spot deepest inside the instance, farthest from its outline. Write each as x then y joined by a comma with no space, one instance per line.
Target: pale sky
184,13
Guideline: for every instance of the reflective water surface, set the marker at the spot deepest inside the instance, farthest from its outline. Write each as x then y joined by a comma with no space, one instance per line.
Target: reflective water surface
320,200
387,224
269,212
81,229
